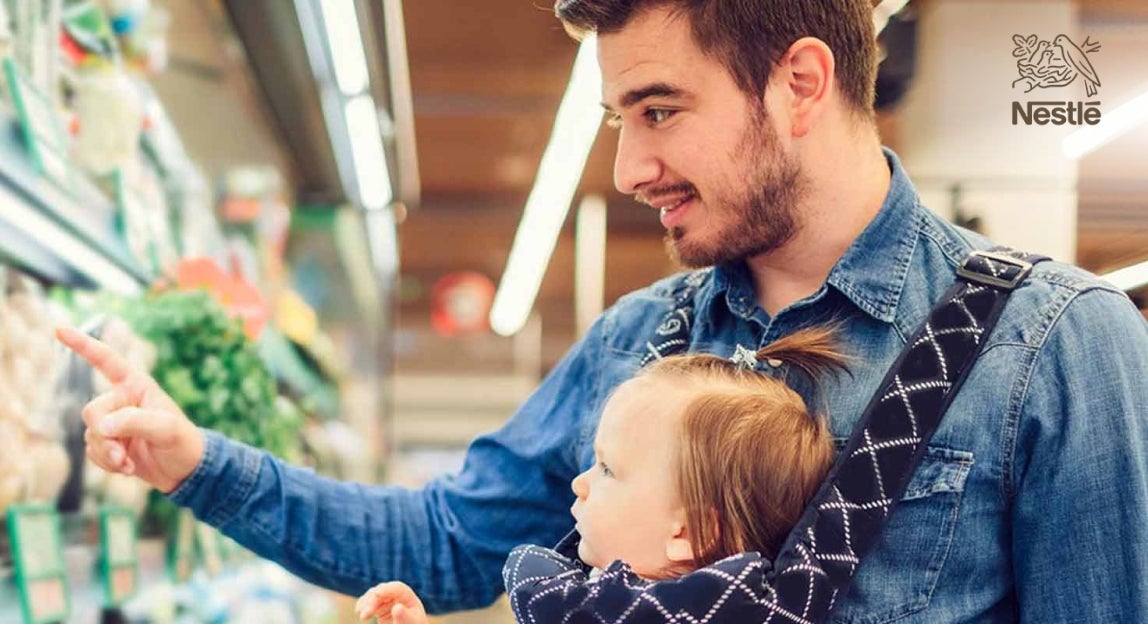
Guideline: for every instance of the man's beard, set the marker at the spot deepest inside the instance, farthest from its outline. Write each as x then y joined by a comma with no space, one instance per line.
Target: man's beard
767,210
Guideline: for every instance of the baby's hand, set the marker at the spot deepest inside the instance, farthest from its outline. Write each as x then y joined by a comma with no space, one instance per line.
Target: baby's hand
392,603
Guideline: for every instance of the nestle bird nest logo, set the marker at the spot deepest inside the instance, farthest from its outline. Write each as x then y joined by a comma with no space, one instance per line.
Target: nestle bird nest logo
1044,64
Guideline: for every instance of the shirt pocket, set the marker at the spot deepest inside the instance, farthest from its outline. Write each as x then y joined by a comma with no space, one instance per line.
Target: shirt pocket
898,577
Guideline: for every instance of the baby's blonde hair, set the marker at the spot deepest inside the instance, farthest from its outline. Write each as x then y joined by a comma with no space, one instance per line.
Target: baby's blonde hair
751,454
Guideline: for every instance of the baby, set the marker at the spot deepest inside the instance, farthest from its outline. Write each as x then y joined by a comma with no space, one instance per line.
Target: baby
702,467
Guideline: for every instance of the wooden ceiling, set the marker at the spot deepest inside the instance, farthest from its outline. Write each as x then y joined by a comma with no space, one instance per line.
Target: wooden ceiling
487,81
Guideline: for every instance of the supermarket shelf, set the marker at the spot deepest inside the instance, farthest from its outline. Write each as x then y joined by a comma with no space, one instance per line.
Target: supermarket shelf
20,249
66,238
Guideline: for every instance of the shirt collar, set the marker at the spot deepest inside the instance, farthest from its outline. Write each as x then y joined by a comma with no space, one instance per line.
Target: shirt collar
873,269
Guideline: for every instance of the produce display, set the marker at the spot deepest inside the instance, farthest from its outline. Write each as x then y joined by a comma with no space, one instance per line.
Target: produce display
213,372
115,207
33,462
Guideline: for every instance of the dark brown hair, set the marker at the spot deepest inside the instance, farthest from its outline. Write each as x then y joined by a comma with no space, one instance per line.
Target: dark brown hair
751,454
749,37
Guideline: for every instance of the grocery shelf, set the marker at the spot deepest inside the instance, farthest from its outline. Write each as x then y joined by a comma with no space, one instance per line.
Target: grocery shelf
67,238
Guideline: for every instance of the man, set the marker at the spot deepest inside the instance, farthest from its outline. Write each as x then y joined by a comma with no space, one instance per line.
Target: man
749,125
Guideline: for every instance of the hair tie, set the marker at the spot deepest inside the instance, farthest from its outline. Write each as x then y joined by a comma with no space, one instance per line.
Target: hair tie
744,358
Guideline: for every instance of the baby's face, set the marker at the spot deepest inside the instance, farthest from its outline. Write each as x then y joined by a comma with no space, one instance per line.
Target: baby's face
628,506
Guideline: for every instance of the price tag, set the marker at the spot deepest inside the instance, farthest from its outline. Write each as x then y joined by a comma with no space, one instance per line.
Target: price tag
181,548
120,560
38,555
42,131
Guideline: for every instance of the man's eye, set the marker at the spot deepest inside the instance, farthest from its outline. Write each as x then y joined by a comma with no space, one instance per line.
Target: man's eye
605,469
658,115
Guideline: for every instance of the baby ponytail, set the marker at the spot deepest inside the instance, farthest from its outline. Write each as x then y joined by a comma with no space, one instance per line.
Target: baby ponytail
813,350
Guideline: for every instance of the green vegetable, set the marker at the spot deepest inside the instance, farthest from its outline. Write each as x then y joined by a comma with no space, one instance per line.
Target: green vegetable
210,368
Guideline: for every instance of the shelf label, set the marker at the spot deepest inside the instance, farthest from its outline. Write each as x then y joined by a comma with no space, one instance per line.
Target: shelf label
120,559
38,555
181,548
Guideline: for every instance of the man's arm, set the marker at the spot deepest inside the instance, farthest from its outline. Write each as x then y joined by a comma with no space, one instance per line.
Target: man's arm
1080,513
448,540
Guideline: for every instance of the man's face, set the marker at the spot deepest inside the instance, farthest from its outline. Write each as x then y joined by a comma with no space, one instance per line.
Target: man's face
695,146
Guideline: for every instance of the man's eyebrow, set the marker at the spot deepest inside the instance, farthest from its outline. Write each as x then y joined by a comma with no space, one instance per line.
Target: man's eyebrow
657,89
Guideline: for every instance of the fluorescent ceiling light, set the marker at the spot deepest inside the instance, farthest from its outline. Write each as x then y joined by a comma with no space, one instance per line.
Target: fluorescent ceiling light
402,102
346,44
1129,278
51,235
1115,123
382,241
883,11
575,127
367,151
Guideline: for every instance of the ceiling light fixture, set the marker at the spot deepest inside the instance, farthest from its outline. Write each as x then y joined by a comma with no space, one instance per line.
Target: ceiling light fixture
883,11
346,44
367,151
1129,278
1114,124
575,127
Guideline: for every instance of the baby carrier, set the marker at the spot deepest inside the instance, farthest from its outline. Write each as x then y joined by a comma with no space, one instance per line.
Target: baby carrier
815,565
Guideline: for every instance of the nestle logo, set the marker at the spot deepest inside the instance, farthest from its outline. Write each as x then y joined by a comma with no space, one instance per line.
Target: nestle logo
1056,113
1044,64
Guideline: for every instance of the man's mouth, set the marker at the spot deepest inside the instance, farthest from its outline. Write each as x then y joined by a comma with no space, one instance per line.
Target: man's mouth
673,212
673,205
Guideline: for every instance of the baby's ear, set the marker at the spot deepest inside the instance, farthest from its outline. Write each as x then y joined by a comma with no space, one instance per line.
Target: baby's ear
678,547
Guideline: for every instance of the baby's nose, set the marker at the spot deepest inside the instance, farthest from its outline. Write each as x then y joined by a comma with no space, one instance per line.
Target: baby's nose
580,486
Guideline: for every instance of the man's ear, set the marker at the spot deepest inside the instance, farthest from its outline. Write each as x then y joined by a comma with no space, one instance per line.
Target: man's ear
807,72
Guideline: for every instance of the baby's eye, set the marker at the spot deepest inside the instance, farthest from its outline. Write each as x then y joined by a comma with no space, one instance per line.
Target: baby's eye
605,469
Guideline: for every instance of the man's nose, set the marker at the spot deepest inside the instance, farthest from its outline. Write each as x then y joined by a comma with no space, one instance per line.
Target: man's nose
636,165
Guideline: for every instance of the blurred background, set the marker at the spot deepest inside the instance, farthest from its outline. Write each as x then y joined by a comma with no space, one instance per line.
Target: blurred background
300,216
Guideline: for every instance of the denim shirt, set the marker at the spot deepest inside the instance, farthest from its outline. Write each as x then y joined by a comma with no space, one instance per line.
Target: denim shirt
1030,505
